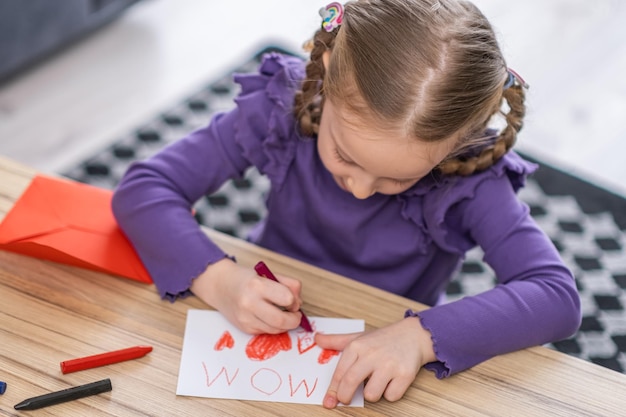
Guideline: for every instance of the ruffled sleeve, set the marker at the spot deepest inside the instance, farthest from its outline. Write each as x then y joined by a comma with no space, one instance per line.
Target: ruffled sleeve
267,128
430,201
535,301
453,190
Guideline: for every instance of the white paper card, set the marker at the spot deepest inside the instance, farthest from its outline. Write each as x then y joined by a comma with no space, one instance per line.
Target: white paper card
220,361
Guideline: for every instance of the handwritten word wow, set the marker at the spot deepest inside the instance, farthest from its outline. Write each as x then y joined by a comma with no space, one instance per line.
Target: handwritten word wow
264,380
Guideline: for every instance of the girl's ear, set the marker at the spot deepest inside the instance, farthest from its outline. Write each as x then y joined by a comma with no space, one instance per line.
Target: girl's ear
326,58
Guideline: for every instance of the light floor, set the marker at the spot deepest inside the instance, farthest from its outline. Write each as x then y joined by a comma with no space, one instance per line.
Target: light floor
572,53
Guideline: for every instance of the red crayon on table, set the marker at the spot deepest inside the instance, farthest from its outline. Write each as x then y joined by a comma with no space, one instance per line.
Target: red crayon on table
102,359
262,270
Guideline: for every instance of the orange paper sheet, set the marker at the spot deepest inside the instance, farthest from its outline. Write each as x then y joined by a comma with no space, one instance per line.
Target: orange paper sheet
71,223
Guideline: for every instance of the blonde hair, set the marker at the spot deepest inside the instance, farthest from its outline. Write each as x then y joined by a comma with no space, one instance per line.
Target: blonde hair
434,67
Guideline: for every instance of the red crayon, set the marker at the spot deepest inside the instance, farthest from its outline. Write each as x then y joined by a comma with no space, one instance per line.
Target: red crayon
262,270
88,362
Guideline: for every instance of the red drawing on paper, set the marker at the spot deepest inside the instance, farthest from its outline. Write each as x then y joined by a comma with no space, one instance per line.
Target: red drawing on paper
306,342
225,341
264,346
210,382
306,387
326,355
256,384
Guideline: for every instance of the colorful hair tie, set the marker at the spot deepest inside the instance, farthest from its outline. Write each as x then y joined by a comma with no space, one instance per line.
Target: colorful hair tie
512,78
332,16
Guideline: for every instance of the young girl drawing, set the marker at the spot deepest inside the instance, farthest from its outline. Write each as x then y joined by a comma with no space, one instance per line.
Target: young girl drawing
383,168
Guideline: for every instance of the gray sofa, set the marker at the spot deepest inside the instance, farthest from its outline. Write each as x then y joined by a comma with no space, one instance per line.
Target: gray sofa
32,30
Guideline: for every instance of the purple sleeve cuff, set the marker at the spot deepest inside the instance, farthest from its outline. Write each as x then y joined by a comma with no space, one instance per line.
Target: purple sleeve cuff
438,367
187,292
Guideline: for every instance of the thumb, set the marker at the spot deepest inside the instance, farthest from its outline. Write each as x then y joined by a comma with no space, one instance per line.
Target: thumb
335,341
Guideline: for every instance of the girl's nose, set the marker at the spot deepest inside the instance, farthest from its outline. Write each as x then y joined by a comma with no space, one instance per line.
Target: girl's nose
361,188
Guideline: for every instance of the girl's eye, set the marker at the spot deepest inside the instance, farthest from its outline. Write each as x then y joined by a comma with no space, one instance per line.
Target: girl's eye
401,182
340,158
397,183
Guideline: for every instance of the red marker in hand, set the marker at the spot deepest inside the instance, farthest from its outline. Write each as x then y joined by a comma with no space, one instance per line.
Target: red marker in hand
263,271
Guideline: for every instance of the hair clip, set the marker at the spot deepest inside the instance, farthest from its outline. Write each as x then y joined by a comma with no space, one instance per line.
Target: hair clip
332,16
512,78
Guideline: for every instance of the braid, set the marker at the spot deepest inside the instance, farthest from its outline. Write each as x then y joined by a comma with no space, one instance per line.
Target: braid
309,99
514,97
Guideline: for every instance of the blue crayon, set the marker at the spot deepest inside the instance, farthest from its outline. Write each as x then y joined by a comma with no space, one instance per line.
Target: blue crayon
3,387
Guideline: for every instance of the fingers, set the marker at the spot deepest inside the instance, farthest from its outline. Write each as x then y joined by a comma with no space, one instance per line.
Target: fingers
281,307
345,380
255,307
330,399
396,387
285,293
335,341
295,288
352,372
253,323
253,304
273,319
388,368
338,387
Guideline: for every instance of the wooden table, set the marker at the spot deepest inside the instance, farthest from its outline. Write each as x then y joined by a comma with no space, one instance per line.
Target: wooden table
51,312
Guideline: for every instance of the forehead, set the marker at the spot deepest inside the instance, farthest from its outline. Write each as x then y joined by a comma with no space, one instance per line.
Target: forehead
382,149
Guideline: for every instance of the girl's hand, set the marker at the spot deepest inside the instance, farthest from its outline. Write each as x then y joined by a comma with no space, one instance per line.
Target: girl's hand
253,304
388,358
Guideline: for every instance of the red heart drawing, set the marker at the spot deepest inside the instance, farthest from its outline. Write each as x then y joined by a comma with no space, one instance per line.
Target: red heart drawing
306,342
225,341
326,356
264,346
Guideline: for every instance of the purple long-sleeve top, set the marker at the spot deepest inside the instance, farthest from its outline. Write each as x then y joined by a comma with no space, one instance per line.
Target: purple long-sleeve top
409,244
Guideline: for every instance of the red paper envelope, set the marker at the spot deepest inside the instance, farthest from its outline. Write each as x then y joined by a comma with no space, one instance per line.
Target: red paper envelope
71,223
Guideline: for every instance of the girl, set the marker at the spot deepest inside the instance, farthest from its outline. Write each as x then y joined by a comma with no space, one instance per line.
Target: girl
383,168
